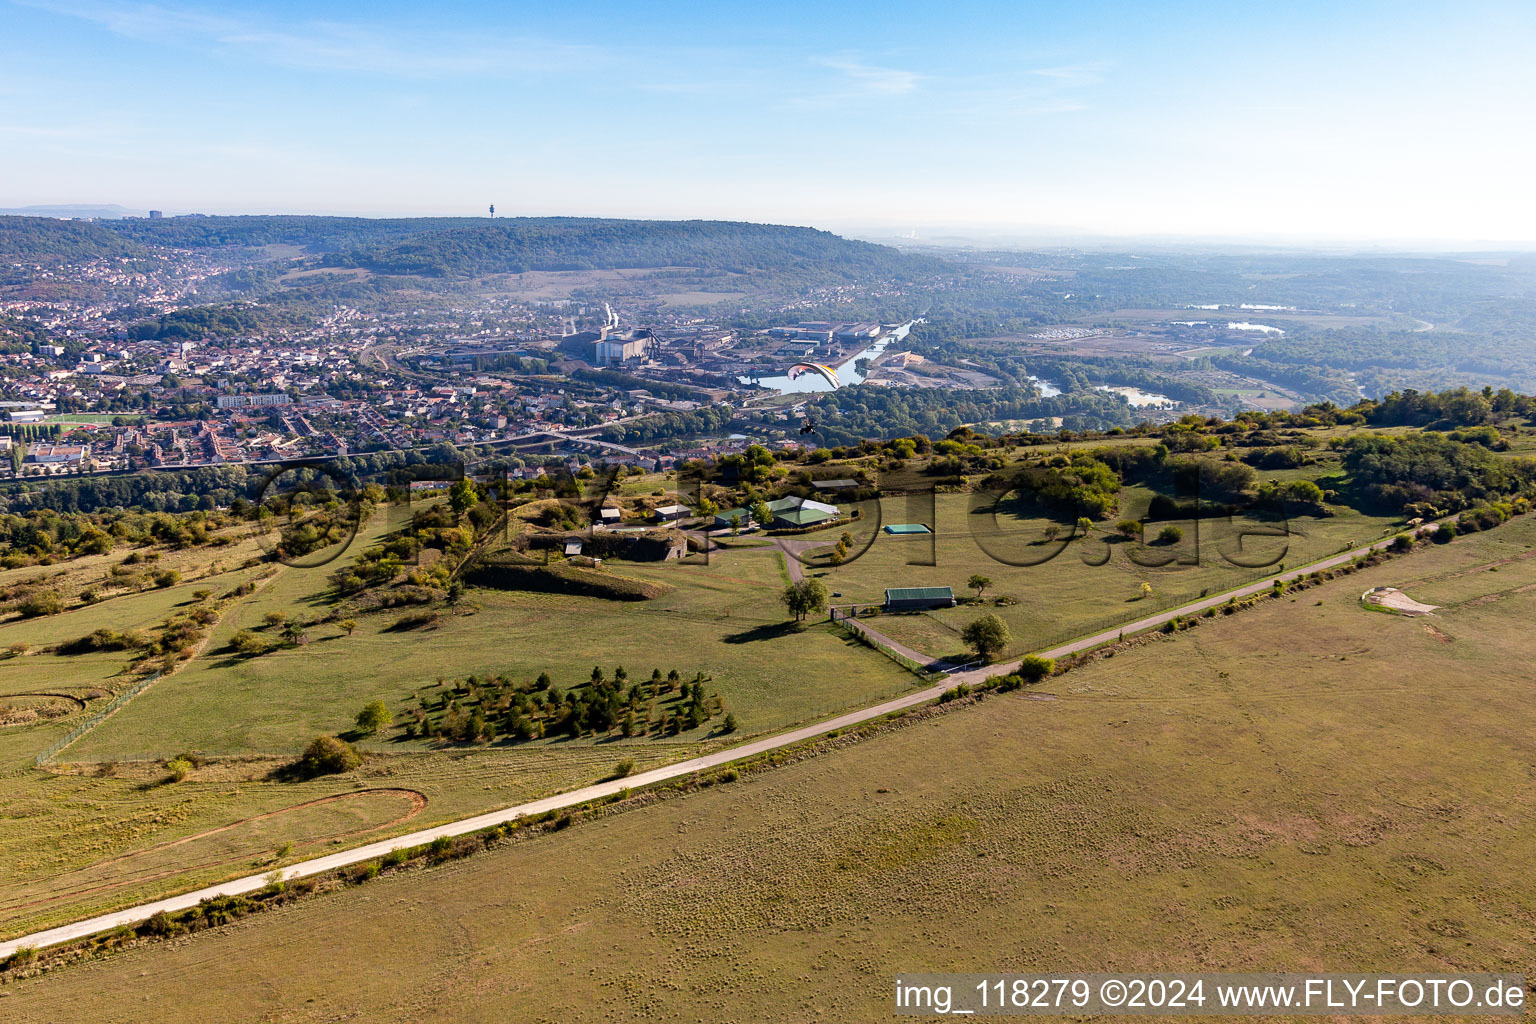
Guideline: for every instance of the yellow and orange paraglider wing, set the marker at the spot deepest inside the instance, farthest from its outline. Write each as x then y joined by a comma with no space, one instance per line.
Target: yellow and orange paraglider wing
826,372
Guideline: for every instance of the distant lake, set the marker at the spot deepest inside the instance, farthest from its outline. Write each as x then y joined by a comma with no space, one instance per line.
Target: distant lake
1244,325
1138,398
1047,389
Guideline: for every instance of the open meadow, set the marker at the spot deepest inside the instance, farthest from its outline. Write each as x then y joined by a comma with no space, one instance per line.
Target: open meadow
106,826
108,822
724,619
1055,590
1307,785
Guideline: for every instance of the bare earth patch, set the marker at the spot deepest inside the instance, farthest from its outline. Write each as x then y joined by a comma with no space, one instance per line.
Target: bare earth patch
1396,600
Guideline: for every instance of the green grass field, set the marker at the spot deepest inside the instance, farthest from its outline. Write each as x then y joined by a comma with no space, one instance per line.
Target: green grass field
724,620
1066,594
1304,786
106,829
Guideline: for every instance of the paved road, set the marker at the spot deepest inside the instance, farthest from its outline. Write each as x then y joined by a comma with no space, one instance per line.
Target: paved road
318,865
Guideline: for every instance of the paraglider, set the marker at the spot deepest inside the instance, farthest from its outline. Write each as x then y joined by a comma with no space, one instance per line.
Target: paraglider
826,372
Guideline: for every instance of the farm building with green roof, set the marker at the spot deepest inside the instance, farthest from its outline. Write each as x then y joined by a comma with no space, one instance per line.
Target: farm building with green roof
917,599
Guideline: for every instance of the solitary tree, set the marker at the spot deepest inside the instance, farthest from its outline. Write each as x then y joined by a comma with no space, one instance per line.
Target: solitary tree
463,496
374,717
1052,532
348,625
808,597
979,583
763,514
988,636
1084,525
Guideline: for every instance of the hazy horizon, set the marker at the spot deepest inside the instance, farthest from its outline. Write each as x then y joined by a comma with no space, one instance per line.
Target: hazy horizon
1379,125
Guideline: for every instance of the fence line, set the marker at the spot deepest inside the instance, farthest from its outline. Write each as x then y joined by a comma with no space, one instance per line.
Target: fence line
95,720
859,631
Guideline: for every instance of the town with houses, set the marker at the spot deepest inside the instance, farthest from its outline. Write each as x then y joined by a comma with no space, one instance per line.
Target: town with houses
98,397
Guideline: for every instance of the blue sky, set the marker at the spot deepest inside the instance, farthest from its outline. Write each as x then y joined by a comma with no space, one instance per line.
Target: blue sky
1294,121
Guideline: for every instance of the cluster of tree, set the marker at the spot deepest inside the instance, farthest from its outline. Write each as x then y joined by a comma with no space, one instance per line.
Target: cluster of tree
1481,348
629,382
44,534
1456,407
1313,382
210,487
1080,484
1431,474
851,414
446,529
708,421
485,709
198,322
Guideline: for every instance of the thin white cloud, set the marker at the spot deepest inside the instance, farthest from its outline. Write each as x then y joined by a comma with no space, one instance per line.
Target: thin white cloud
1085,73
321,45
868,79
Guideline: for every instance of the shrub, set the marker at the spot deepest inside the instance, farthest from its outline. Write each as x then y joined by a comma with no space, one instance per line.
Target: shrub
23,956
624,769
44,602
364,871
1170,535
180,767
327,755
394,858
414,620
249,644
1034,668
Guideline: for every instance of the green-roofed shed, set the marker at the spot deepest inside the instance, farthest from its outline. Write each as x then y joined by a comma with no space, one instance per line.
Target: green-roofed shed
916,599
742,517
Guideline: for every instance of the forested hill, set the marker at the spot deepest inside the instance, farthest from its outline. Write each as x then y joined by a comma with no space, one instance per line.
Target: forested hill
515,246
459,246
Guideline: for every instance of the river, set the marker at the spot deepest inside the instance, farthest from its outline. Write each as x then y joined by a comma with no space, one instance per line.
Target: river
847,370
